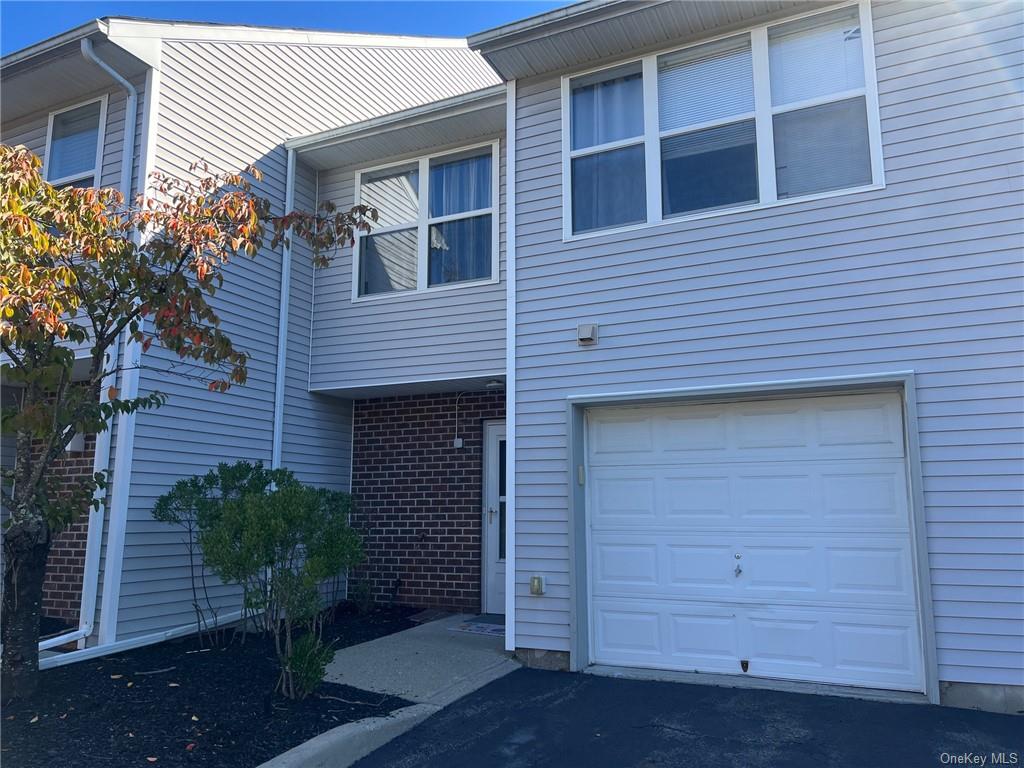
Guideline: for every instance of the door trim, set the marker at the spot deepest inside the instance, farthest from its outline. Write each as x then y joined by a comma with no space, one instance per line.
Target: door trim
576,422
490,427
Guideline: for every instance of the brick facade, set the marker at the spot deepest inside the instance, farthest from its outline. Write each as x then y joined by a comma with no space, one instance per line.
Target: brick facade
65,568
418,499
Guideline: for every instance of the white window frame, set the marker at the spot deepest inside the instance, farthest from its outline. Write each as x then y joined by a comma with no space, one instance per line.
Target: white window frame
425,220
763,115
97,169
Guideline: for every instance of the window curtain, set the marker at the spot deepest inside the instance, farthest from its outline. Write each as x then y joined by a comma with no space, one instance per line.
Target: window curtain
460,250
606,111
460,185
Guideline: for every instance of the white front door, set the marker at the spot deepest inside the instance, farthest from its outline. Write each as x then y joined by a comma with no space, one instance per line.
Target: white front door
493,556
765,538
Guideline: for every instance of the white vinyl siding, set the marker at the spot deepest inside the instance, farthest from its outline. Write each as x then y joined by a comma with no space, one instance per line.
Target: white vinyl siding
922,275
453,332
234,103
779,112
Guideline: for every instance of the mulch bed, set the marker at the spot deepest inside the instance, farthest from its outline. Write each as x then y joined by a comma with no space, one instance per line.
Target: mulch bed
173,705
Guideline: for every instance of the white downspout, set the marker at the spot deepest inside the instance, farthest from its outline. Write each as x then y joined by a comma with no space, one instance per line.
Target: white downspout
101,458
282,320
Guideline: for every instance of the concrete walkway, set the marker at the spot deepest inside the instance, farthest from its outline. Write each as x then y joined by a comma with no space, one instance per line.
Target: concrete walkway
430,665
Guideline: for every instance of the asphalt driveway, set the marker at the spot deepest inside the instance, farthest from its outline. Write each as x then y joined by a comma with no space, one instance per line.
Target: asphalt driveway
538,719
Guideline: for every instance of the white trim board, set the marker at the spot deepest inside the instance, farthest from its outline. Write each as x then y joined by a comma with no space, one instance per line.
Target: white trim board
510,368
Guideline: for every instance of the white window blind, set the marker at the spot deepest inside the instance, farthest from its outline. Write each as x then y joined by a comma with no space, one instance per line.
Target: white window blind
816,57
705,84
73,139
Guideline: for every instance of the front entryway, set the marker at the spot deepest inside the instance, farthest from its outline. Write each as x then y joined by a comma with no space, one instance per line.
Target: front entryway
493,554
769,538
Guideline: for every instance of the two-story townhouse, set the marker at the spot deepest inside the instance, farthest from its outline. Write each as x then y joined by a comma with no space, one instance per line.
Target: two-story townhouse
765,270
231,96
693,346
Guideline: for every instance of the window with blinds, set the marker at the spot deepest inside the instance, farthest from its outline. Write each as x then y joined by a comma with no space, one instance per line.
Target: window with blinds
777,113
819,112
435,223
72,153
708,138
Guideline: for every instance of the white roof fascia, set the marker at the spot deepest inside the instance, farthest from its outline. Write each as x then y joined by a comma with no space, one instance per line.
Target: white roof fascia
184,30
72,35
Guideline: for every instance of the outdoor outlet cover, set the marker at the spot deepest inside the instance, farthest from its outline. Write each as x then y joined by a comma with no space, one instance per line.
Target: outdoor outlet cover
457,442
536,585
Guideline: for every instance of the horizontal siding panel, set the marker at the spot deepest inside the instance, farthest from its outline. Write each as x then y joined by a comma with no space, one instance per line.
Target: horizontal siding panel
453,333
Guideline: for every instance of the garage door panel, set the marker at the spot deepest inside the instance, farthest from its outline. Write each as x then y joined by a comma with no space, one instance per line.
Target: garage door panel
847,427
853,495
835,646
822,569
838,646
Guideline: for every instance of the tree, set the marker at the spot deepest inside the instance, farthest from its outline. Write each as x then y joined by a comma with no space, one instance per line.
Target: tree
86,267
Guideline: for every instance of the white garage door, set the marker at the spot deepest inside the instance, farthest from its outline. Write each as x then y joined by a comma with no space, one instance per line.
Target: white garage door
772,535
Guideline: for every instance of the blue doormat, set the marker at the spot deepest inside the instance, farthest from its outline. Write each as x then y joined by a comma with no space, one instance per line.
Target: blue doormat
485,624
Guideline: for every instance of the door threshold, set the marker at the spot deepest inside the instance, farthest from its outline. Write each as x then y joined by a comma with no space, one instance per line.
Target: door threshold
757,683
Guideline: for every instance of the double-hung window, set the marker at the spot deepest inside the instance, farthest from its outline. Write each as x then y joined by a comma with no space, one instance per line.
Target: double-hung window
74,145
436,223
777,113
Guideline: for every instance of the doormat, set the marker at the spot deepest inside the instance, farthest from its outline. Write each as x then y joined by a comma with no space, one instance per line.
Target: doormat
481,625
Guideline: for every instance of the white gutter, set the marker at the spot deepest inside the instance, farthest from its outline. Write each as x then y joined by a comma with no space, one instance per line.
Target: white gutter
282,319
101,457
124,449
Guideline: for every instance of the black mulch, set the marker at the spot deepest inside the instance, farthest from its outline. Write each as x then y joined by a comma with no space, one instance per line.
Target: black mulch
172,705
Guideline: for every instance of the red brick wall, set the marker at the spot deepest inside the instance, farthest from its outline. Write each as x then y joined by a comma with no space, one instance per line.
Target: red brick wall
418,499
62,587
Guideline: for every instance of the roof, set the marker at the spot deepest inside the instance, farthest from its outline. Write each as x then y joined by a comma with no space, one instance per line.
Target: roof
458,119
137,26
594,30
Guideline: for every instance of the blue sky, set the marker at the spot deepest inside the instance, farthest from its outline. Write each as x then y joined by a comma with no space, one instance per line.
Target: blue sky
23,23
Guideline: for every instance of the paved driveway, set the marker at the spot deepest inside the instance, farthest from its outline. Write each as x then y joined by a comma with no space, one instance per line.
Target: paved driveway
559,720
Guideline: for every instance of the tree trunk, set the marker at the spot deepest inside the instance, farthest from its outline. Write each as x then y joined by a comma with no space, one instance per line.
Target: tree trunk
26,546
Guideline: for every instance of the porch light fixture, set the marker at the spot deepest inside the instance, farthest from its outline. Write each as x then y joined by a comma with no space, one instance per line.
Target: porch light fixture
495,384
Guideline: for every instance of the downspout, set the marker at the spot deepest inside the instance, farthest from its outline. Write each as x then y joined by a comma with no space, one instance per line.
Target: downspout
282,319
101,457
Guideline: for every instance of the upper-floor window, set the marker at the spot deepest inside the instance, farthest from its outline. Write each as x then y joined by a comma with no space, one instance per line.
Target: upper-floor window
777,113
437,223
74,145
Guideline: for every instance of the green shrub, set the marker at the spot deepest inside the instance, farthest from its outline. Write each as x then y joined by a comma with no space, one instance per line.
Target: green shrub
308,662
278,540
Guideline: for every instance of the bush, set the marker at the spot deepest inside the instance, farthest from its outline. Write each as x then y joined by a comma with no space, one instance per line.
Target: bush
278,540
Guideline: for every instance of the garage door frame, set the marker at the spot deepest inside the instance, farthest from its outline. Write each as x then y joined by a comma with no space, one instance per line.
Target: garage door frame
902,382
